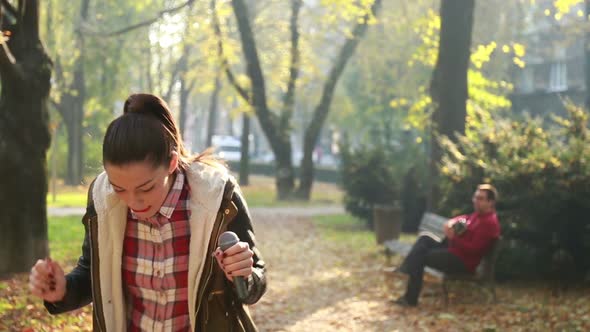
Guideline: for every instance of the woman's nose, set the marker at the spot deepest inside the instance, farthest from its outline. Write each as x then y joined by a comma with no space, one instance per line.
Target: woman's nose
135,199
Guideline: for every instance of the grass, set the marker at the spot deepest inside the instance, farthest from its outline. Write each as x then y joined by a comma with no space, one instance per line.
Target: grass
67,199
67,196
345,228
260,192
65,242
66,235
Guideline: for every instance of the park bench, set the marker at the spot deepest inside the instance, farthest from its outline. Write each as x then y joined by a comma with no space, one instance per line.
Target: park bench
432,225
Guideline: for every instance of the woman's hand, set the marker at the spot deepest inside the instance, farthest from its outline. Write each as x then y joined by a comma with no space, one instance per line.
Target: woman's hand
47,281
236,260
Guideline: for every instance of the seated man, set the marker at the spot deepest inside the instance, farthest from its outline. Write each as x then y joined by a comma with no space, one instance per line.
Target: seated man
462,249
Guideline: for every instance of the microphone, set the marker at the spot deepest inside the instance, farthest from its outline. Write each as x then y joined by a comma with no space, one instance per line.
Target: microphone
226,240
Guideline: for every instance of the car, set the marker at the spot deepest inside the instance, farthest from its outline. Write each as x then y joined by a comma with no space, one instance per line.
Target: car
227,147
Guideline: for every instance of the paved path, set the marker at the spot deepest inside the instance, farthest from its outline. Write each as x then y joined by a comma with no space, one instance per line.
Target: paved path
321,279
299,211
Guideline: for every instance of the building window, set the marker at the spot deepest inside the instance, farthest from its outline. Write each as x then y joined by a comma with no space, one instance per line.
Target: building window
558,77
527,79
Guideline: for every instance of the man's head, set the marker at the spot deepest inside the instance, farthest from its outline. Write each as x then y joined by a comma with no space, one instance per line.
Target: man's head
484,199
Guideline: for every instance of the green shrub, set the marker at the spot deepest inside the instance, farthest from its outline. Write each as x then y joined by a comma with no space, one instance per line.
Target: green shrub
390,168
543,177
368,178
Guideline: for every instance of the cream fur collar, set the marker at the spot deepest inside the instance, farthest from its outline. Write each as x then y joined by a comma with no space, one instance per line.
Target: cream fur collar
207,184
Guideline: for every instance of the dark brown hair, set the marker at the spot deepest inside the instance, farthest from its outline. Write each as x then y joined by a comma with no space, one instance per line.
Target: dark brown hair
146,131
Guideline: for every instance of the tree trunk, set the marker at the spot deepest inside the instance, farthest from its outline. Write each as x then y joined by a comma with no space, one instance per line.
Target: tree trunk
186,86
148,66
321,111
184,94
245,151
75,145
25,72
212,121
71,109
269,122
452,64
587,55
55,135
284,171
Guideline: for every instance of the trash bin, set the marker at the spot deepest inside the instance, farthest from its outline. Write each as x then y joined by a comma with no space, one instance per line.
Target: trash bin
387,221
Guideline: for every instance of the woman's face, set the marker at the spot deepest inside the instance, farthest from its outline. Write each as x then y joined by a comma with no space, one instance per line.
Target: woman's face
140,185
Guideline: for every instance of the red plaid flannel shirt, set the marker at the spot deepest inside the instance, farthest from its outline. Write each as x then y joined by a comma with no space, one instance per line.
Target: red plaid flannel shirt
155,265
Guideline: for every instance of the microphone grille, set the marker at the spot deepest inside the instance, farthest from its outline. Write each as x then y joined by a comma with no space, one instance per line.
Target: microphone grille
227,239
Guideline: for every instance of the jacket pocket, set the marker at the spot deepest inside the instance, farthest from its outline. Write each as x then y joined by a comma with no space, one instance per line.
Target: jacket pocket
218,315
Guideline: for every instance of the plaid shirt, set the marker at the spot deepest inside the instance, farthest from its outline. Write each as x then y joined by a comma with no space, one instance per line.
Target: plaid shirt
155,264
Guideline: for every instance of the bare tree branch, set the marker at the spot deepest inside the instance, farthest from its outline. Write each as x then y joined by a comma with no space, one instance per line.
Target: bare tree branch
347,50
173,77
179,69
9,8
59,108
58,70
234,82
180,66
289,97
322,109
224,63
269,121
143,23
192,84
148,71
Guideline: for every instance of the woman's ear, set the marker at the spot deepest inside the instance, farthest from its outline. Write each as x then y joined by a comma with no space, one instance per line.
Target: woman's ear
173,162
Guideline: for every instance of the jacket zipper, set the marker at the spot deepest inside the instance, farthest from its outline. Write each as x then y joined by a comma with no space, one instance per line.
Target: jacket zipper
96,298
210,272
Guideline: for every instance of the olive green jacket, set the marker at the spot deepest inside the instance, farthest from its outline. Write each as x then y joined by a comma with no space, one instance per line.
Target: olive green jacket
216,205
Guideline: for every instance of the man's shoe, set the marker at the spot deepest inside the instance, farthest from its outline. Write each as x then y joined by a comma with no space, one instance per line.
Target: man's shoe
395,269
402,302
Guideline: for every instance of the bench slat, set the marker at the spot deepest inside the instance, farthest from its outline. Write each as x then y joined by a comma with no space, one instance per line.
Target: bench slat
432,225
398,247
403,248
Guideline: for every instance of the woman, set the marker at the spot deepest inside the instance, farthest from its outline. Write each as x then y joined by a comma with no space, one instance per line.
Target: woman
152,225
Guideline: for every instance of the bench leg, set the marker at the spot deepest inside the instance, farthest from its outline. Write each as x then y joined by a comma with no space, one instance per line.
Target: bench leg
445,288
388,255
489,288
494,297
485,286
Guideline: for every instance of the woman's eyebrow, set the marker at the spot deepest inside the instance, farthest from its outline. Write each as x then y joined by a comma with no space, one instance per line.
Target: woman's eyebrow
141,185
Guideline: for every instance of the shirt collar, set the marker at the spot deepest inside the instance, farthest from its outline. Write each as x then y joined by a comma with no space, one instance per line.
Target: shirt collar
485,214
173,195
